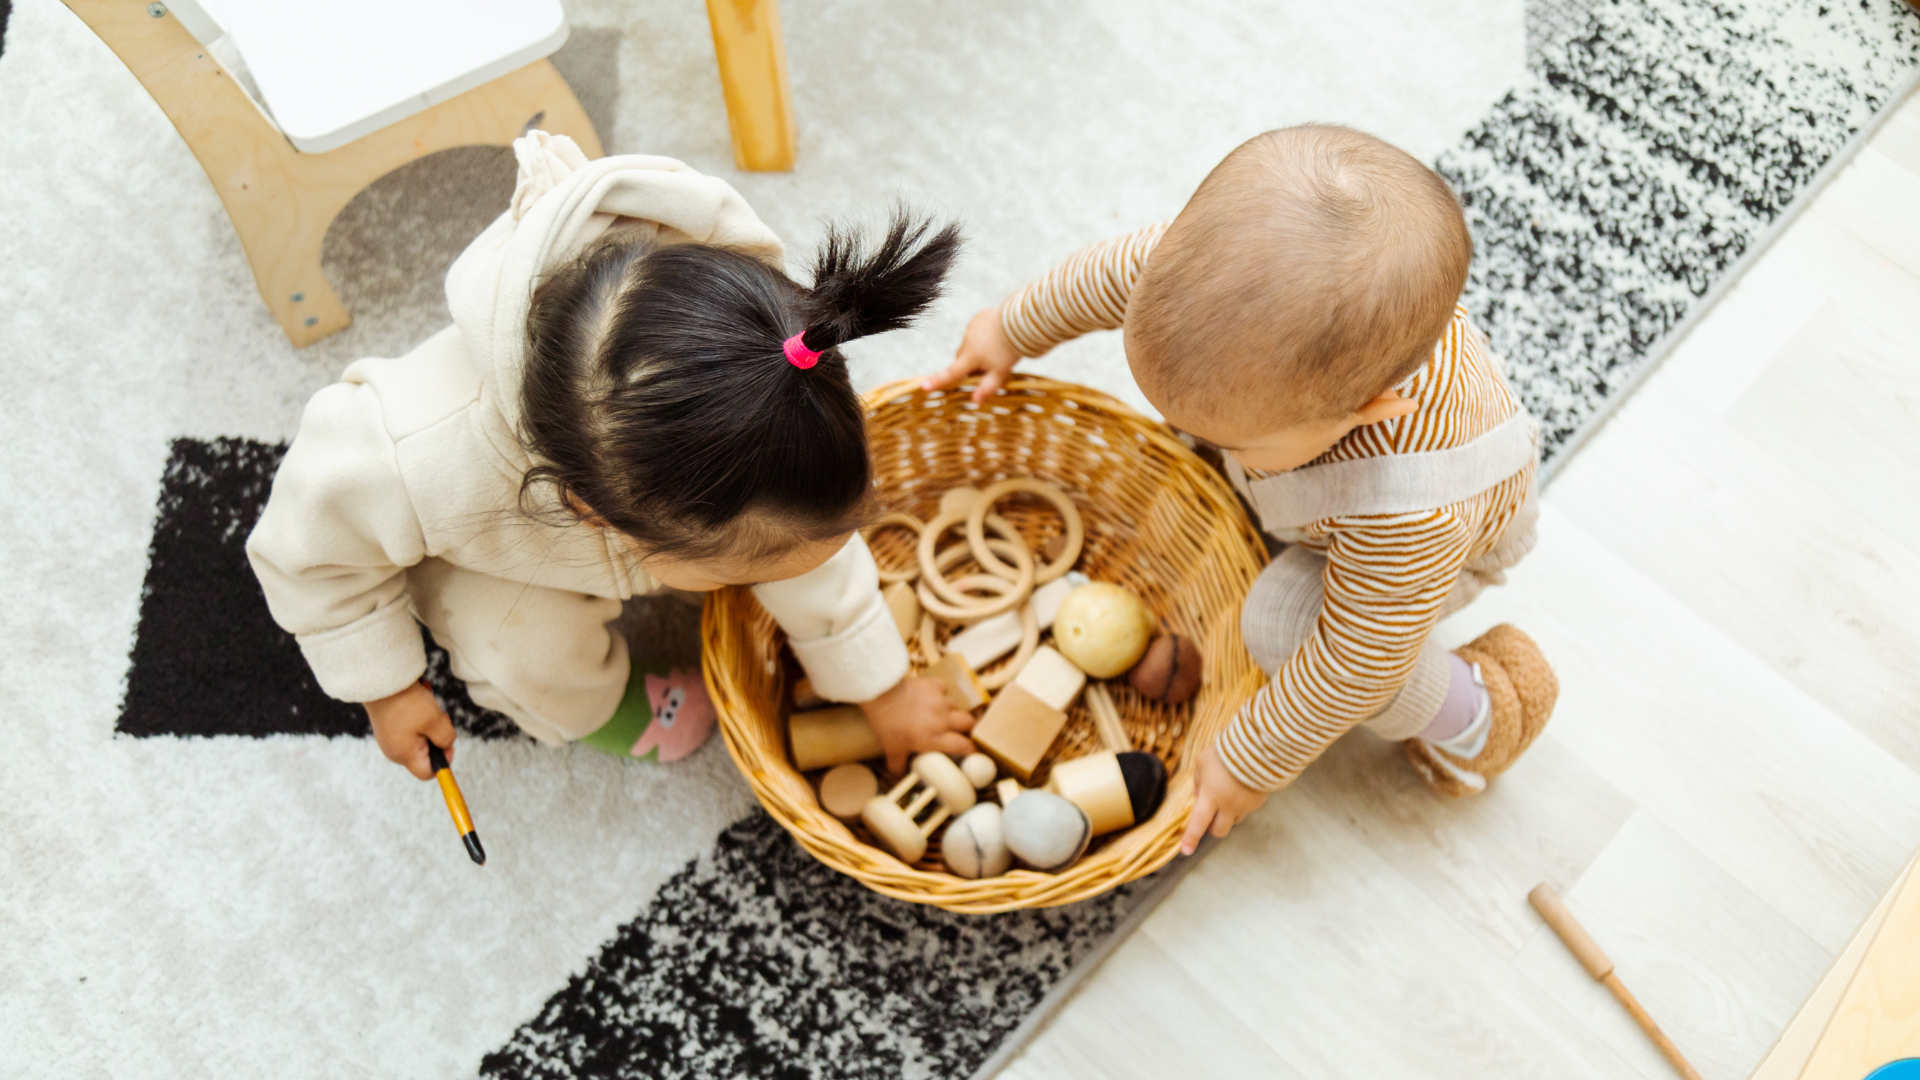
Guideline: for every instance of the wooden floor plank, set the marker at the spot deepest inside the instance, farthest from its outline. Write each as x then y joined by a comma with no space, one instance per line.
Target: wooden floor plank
1716,968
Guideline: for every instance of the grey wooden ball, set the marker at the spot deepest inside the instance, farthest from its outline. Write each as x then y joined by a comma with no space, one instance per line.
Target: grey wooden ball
974,846
1045,831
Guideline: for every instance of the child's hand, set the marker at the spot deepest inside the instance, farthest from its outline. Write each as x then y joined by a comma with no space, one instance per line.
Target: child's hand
1219,800
403,725
916,716
985,349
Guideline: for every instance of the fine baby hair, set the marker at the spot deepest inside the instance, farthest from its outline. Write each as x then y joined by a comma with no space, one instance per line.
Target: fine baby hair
694,397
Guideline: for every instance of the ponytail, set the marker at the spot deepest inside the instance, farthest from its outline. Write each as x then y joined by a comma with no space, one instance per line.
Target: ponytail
659,393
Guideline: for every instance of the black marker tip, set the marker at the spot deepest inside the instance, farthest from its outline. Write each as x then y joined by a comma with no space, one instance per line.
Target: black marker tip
474,849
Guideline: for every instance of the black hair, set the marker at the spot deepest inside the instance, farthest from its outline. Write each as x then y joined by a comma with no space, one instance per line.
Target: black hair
657,392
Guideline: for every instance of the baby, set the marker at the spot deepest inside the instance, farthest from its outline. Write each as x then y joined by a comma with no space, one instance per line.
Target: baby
1300,314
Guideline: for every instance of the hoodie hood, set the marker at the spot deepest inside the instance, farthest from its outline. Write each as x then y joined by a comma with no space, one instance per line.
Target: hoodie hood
561,202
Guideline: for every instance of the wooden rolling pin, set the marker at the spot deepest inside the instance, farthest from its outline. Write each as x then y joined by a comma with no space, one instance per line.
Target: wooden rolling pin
1582,946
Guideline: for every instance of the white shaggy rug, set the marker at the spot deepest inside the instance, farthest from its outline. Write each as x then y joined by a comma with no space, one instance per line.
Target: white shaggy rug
212,885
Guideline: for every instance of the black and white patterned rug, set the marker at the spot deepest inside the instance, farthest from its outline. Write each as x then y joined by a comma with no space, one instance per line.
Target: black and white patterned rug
204,864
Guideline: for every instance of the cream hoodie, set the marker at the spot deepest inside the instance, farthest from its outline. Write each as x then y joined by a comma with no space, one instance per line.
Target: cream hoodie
415,457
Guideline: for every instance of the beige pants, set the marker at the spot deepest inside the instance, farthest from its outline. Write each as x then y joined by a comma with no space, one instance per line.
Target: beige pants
549,659
1284,605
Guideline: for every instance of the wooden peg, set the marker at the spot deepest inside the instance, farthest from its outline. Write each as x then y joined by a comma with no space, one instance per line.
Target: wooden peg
933,790
1587,951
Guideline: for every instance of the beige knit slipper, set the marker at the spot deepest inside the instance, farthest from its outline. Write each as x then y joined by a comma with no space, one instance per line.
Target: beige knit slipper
1522,687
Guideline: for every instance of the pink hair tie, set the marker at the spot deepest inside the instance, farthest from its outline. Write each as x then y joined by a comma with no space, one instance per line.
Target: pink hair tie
798,354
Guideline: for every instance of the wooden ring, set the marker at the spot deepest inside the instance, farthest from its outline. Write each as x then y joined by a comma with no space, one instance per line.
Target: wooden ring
929,644
977,533
973,608
1029,644
930,567
887,520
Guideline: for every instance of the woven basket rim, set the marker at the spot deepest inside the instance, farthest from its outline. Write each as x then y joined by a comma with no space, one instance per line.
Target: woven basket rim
790,799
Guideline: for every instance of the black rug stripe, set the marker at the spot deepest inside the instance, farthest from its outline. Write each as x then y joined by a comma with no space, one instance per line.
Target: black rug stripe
1657,146
757,961
207,657
6,12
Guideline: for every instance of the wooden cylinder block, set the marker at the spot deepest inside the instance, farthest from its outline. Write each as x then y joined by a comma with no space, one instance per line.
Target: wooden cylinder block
824,738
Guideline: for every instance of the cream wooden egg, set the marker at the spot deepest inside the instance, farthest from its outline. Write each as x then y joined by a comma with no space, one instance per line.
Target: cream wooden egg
1103,629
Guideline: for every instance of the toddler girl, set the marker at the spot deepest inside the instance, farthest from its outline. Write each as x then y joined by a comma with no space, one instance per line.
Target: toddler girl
633,397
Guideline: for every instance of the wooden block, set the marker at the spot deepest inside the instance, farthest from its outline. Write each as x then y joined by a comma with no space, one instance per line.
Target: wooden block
1018,728
827,737
1107,722
1047,598
1007,790
1878,1018
1051,678
987,640
906,610
1094,784
963,686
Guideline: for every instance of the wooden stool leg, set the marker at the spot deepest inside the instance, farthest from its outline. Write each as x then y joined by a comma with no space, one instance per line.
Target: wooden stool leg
281,201
753,75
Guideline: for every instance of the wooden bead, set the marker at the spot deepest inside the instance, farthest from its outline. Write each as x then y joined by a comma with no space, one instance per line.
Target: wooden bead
845,790
1170,671
979,768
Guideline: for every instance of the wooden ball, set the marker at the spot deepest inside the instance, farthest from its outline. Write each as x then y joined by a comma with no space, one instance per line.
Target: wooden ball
1102,628
1170,671
845,789
979,768
973,846
1045,831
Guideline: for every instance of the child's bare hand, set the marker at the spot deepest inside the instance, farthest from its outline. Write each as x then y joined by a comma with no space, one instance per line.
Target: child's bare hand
403,725
916,716
985,350
1220,802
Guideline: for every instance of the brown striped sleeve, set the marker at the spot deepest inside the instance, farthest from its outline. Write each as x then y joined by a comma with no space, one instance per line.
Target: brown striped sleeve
1386,578
1088,292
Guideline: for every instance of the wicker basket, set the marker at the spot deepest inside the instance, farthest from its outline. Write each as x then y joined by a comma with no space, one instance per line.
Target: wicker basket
1159,521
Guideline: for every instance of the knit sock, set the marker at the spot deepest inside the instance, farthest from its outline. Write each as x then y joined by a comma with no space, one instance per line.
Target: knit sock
1460,727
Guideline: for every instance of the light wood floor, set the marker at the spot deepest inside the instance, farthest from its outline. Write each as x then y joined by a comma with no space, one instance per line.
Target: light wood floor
1728,581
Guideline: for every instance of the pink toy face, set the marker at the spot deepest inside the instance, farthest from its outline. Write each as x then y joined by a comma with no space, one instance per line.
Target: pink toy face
682,716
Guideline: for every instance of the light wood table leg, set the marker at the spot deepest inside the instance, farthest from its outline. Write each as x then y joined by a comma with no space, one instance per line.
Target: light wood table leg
282,201
753,75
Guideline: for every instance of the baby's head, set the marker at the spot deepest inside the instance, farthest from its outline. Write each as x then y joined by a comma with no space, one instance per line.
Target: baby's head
1312,272
661,397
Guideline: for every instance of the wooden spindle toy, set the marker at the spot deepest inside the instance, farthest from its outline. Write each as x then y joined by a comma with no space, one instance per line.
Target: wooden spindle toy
1587,951
933,790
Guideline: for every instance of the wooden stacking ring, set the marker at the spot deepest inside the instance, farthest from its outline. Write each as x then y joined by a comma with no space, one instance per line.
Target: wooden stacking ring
930,570
905,521
972,608
977,532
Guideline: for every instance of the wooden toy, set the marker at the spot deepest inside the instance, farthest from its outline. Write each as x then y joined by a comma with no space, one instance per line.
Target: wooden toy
1584,949
1103,629
901,818
1170,671
1026,716
978,514
974,845
905,607
845,789
832,736
1008,790
963,686
1117,787
1045,831
946,599
979,769
990,639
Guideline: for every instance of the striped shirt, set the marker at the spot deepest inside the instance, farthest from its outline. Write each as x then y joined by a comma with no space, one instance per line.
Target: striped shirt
1387,574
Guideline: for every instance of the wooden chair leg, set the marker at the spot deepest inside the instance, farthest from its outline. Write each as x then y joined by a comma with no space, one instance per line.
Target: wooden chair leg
753,75
282,201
